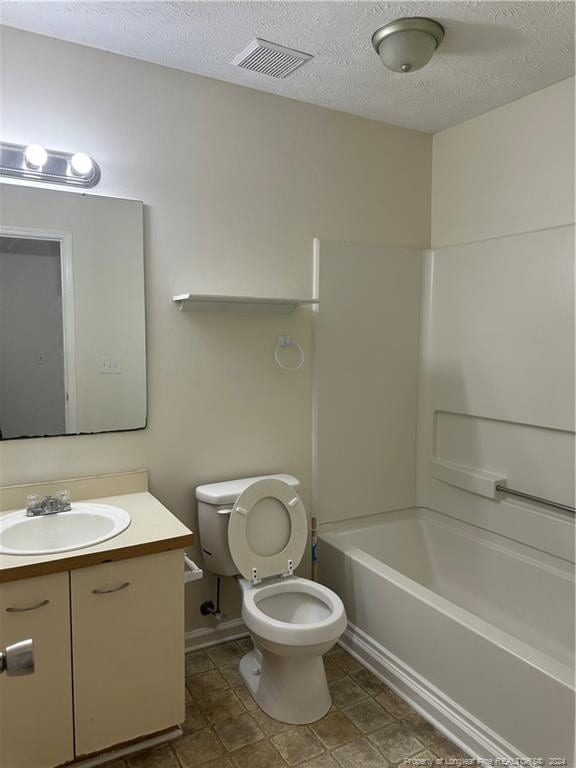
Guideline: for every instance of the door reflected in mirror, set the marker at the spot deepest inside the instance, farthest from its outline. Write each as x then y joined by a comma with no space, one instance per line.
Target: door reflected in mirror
72,336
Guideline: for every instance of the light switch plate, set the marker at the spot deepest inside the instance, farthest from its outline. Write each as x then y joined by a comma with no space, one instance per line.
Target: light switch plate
110,365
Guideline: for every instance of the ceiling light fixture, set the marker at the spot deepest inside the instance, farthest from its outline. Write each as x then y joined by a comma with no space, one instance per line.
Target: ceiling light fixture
406,45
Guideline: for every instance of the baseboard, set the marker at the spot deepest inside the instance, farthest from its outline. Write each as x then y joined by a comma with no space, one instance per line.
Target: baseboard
471,735
232,629
116,753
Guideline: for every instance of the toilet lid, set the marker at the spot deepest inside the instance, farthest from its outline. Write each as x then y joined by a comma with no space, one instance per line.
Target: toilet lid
268,530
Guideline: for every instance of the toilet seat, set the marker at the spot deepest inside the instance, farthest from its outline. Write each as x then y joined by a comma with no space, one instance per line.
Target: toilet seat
251,564
292,632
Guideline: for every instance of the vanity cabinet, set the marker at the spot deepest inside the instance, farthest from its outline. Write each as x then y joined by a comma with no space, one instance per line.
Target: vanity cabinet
36,725
109,652
128,649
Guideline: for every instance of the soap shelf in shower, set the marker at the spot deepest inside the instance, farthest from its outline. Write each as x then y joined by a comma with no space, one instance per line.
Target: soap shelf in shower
227,303
478,481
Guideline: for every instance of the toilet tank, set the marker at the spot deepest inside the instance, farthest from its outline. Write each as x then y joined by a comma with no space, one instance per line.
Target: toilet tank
215,501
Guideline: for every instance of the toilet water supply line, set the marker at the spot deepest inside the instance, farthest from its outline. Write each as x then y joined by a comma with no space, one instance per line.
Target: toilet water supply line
314,540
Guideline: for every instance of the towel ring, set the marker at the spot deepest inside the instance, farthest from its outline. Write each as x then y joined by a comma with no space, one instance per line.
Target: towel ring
283,342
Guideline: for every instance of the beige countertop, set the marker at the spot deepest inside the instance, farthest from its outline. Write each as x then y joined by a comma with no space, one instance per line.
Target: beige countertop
153,528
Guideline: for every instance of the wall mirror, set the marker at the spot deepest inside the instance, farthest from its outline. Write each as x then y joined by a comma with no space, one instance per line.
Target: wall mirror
72,335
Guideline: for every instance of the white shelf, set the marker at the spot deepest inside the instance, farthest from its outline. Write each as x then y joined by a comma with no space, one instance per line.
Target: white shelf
239,303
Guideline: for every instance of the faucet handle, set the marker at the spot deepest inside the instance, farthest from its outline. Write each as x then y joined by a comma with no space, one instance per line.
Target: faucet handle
64,499
33,503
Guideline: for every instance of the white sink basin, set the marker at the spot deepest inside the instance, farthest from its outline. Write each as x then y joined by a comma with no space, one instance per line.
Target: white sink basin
83,526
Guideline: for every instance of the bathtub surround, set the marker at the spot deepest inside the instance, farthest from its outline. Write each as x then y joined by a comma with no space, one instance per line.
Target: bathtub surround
236,184
497,383
497,344
507,171
365,378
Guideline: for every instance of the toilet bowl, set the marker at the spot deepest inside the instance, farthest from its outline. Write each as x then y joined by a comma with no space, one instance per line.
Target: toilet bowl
293,621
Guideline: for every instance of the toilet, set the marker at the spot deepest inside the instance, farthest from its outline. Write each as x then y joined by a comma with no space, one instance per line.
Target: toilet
257,529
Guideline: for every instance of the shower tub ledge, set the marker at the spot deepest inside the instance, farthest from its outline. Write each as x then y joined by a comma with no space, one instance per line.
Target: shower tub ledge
474,631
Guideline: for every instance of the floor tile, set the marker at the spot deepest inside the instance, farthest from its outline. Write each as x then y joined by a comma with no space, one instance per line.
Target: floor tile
345,692
447,749
269,726
396,742
221,706
157,757
347,662
335,729
322,761
246,698
393,703
369,682
297,745
220,762
194,719
231,674
360,754
197,661
423,730
206,684
332,668
238,732
225,654
259,755
245,644
368,715
196,749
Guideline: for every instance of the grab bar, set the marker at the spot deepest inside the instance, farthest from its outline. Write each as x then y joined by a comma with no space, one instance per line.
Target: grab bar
537,499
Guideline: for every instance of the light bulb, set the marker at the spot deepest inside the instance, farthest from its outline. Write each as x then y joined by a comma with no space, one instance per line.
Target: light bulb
35,155
81,164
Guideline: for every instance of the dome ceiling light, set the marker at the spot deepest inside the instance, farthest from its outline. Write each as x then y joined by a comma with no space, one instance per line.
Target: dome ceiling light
406,45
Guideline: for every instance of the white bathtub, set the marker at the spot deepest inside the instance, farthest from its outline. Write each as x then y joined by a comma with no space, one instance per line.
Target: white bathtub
475,630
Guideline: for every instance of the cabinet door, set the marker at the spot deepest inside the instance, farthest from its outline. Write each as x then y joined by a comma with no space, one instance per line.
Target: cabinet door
128,649
36,727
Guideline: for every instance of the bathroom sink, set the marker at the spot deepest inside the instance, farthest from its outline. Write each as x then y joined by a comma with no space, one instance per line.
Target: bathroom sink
82,526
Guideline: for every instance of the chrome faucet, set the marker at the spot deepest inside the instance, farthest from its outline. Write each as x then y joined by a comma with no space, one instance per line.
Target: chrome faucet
49,505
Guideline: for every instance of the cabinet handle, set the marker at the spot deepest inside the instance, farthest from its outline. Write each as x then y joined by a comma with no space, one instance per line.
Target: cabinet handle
31,608
113,589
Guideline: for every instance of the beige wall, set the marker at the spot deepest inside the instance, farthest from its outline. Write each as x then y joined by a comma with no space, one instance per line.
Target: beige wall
236,184
508,171
497,342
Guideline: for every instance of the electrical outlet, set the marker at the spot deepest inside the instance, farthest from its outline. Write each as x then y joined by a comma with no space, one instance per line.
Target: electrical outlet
110,365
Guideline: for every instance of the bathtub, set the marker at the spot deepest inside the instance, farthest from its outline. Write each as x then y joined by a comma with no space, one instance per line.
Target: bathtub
474,630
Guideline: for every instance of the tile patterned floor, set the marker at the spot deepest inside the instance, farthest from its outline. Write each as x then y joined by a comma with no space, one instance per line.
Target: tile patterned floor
369,726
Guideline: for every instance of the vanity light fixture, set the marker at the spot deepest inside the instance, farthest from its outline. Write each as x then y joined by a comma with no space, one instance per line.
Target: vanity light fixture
33,162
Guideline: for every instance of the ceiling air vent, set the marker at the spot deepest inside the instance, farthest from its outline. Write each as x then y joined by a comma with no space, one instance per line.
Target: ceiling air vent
270,58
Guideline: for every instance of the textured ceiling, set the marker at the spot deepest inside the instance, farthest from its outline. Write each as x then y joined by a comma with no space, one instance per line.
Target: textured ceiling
493,52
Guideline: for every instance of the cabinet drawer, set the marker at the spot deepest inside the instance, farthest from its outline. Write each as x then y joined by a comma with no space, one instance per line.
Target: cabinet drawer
128,649
36,727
